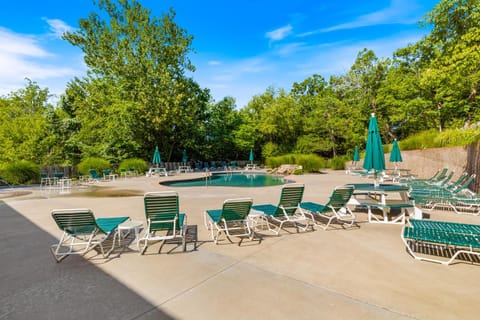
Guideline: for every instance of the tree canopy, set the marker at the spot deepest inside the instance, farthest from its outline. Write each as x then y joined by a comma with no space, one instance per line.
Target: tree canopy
136,95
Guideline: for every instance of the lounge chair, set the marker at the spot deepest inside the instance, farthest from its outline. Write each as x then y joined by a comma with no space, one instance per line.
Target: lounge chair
447,239
447,197
335,209
288,210
94,177
231,219
83,231
164,221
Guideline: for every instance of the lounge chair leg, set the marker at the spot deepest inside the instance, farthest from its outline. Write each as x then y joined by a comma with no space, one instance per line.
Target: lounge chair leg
144,247
58,258
184,238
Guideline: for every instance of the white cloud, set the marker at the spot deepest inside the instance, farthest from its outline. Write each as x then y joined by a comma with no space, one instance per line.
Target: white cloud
58,27
244,78
399,12
280,33
290,48
214,62
22,56
18,44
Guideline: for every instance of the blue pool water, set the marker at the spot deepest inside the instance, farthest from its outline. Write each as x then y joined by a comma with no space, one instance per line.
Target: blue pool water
230,180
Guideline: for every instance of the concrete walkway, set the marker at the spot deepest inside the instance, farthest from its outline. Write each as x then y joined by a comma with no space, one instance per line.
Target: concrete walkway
358,273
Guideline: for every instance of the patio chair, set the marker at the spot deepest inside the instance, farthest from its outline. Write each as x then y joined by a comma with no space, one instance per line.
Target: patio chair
456,198
438,176
164,221
335,208
94,177
231,219
288,210
83,231
459,181
447,239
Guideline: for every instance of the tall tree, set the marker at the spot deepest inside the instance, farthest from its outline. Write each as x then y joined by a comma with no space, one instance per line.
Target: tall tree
25,133
136,81
454,70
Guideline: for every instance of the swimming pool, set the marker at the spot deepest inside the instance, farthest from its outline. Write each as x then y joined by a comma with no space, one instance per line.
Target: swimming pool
230,180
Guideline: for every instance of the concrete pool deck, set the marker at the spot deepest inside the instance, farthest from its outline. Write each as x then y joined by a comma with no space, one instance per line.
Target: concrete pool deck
359,273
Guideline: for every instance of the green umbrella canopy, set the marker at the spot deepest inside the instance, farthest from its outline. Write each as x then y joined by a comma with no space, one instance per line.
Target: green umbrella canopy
356,155
251,155
374,157
156,157
184,156
395,155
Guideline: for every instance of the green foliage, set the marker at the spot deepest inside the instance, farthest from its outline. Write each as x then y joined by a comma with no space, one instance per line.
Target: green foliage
449,138
20,172
434,139
24,130
137,164
98,164
309,162
422,140
137,95
338,163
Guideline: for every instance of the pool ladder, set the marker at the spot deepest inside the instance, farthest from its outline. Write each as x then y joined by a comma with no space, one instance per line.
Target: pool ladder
208,175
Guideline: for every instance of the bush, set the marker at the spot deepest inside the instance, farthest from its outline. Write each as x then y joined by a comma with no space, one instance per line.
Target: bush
434,139
98,164
309,162
20,172
134,163
338,163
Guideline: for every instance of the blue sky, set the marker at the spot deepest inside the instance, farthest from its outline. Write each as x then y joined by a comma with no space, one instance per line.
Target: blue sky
241,47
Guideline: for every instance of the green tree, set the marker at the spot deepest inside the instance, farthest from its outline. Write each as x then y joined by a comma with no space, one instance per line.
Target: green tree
25,133
454,70
135,95
223,120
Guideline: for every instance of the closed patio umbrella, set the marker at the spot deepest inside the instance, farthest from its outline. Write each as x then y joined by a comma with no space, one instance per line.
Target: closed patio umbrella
184,156
374,156
356,155
251,156
395,155
156,157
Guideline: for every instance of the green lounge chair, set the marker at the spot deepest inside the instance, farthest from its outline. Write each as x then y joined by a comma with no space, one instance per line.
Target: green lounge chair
335,209
164,220
458,199
232,219
83,231
447,239
94,177
288,210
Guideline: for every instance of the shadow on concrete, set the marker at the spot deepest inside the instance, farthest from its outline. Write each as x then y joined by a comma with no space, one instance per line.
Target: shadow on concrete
34,286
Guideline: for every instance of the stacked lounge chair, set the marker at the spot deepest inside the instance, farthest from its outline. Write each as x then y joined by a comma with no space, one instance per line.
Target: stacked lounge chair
448,239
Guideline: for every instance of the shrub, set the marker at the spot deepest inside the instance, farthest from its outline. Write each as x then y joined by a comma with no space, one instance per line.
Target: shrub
134,163
98,164
309,162
459,137
20,172
434,139
338,163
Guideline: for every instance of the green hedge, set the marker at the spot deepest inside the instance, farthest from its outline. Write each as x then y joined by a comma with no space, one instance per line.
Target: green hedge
338,163
139,165
309,162
98,164
20,172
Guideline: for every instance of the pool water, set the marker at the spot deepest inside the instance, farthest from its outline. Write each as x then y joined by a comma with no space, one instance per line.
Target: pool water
230,180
